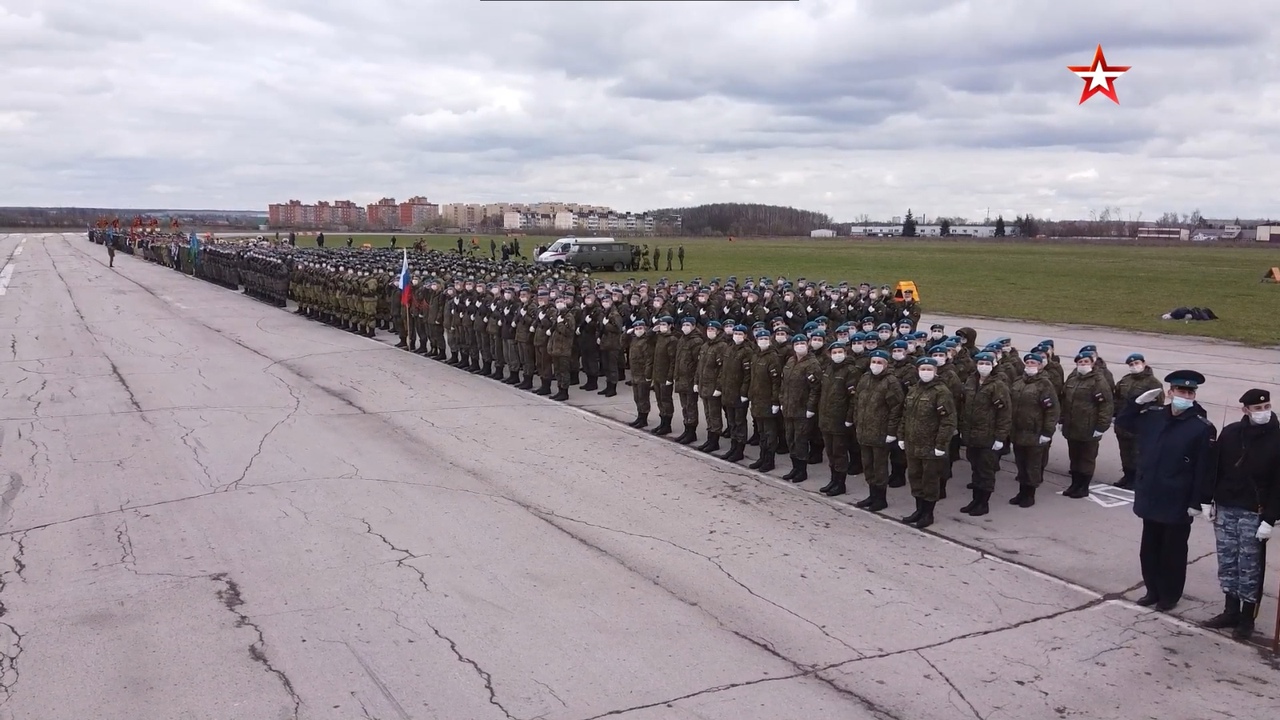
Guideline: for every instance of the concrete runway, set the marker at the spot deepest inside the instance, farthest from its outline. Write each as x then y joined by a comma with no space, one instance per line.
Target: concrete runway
217,509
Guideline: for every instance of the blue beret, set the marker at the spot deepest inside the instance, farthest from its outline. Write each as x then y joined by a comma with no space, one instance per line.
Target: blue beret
638,324
938,350
884,326
898,345
1047,343
688,321
857,337
761,333
739,328
927,361
821,319
1033,357
714,325
667,319
799,339
1084,355
817,333
938,326
879,355
810,326
1135,357
838,344
1089,348
984,357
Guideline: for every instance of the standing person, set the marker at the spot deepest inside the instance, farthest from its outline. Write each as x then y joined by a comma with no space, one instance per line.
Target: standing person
1087,410
320,240
878,410
735,375
765,394
493,249
663,373
111,251
657,255
688,349
641,372
590,325
1175,471
836,415
986,421
928,423
612,330
801,385
1139,380
1036,410
707,386
680,255
459,246
670,255
1245,500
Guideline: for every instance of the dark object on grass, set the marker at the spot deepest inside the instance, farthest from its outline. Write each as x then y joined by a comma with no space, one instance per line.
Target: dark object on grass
1194,313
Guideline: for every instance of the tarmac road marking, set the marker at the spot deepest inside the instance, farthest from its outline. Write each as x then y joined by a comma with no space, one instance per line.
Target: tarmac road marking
5,276
1109,496
17,251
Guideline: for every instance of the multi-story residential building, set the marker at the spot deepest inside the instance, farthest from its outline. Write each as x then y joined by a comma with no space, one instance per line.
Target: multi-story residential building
384,214
417,211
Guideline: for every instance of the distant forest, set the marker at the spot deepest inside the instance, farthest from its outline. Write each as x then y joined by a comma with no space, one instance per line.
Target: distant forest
31,217
750,219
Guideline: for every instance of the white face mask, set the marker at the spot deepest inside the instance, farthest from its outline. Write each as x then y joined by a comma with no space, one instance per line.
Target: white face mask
883,335
1032,371
1084,369
763,343
936,335
984,370
1136,368
639,332
899,355
856,348
686,329
940,359
911,347
802,349
837,358
816,343
739,339
781,339
711,334
927,374
877,368
560,306
1261,417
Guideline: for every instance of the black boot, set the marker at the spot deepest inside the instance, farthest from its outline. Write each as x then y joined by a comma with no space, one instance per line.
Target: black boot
838,487
713,443
915,516
526,383
802,471
926,518
754,440
972,503
1029,498
755,465
881,496
735,452
795,470
830,484
690,434
573,378
664,426
562,393
1125,482
513,378
497,373
591,384
981,506
453,359
641,421
1022,493
866,502
1147,600
545,389
1079,486
611,389
769,461
942,489
1228,618
1244,629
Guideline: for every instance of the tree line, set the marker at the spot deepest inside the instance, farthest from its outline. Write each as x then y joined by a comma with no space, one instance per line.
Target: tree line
748,219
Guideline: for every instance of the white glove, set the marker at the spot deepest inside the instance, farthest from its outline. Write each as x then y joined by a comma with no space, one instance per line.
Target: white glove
1045,439
890,440
717,393
1193,512
542,316
939,453
743,400
776,409
1148,397
695,388
997,446
1096,434
807,414
1264,531
667,382
902,444
848,424
548,333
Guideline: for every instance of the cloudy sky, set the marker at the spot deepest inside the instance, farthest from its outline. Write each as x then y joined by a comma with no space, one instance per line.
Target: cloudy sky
849,107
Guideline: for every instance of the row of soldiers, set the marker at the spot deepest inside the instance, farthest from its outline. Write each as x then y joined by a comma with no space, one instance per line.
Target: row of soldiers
801,370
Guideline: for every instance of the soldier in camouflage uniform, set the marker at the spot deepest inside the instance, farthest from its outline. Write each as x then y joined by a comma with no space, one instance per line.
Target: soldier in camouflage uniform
928,423
735,375
688,349
1036,411
662,372
764,392
1087,411
560,345
801,385
709,362
1139,380
641,352
612,332
986,421
837,414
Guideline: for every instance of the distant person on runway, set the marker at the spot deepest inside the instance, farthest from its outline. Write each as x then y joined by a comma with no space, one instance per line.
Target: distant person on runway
111,251
1175,471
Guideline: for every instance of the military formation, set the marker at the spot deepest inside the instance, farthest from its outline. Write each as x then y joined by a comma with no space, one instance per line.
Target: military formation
809,372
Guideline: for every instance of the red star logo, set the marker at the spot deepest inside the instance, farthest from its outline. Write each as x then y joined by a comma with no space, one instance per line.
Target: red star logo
1099,78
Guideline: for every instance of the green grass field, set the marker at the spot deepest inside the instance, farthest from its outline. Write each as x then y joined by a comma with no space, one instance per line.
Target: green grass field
1112,286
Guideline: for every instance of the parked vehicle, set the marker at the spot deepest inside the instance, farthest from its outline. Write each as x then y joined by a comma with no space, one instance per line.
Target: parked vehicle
588,254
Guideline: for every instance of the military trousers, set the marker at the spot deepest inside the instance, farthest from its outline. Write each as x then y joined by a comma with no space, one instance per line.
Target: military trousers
1030,460
525,350
666,399
420,331
711,407
797,431
484,346
897,466
452,340
768,429
689,410
983,465
562,364
1163,556
854,450
875,465
837,446
497,349
611,365
1083,455
1241,555
925,476
511,354
1128,443
435,334
640,393
953,453
735,414
589,354
544,362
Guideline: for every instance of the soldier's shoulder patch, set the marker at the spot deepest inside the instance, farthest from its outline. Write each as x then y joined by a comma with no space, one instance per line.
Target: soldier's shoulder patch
1047,401
1098,397
811,378
942,410
773,371
998,403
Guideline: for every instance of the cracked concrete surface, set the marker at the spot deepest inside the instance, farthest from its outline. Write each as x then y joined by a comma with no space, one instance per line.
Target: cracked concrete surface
389,538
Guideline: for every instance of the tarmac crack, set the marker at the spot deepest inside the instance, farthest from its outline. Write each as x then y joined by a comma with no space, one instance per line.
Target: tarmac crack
195,451
485,676
297,403
719,566
953,686
11,647
127,558
232,599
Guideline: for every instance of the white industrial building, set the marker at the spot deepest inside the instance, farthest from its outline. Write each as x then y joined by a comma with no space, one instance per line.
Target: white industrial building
625,222
895,230
822,233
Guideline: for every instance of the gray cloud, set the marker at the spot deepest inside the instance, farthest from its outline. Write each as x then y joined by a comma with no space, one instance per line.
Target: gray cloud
844,107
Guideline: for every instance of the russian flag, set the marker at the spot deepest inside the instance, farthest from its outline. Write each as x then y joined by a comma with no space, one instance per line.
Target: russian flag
404,283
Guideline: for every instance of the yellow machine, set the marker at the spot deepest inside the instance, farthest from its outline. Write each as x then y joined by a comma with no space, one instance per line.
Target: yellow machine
904,285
